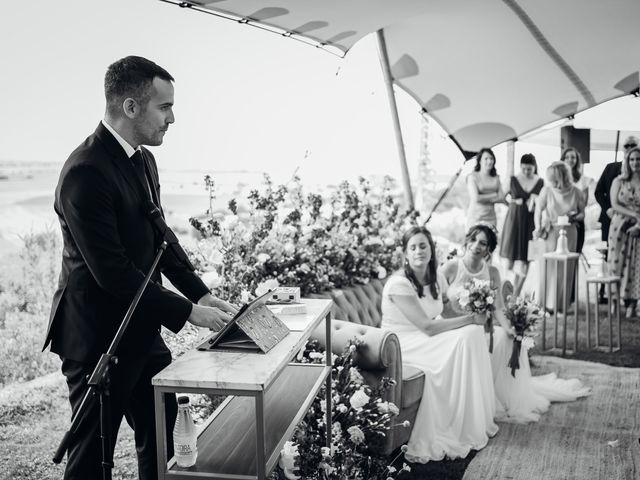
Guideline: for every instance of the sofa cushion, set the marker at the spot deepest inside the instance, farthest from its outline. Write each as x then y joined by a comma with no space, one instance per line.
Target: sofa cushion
358,304
412,385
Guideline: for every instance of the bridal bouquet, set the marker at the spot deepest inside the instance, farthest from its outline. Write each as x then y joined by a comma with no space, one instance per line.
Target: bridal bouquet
524,316
477,296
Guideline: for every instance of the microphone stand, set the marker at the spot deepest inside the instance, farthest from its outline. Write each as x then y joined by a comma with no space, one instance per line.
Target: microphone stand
99,383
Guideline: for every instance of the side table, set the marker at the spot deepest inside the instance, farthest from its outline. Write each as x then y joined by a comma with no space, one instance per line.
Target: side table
268,395
614,301
561,260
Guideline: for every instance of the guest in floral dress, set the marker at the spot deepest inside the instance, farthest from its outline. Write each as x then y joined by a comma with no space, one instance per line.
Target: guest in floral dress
623,257
518,223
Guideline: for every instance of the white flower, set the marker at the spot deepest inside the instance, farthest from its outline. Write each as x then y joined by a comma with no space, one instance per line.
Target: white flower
305,268
389,241
356,377
393,409
263,257
229,221
211,279
216,257
359,399
356,435
326,451
288,456
264,287
342,408
336,432
490,300
382,272
528,343
383,407
244,296
289,248
316,355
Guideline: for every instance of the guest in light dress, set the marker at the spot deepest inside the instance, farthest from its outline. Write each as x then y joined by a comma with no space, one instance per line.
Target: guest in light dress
559,197
485,189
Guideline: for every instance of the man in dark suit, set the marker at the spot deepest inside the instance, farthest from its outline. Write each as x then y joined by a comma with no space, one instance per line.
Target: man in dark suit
102,199
602,192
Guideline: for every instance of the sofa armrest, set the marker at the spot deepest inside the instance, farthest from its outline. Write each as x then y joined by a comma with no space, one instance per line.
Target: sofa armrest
378,355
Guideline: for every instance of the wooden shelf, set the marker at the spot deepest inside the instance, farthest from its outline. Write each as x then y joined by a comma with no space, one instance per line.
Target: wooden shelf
286,401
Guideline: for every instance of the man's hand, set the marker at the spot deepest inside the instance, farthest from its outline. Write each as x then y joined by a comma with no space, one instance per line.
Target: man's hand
209,300
208,317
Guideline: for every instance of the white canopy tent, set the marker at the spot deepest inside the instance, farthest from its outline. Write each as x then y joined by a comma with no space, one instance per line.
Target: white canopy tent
488,71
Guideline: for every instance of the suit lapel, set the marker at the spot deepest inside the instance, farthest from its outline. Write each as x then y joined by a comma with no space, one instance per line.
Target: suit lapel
122,162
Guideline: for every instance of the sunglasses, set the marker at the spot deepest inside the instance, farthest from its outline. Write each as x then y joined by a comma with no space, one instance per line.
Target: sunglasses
630,145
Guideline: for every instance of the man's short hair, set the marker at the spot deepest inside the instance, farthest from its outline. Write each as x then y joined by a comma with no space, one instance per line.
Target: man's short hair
131,77
631,142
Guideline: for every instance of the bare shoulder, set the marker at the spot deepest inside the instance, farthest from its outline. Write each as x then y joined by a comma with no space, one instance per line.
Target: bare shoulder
450,269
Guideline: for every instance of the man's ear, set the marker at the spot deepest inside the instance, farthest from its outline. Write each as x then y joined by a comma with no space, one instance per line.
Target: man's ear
130,107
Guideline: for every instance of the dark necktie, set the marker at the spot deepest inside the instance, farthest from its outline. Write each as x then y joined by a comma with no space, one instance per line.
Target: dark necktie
138,164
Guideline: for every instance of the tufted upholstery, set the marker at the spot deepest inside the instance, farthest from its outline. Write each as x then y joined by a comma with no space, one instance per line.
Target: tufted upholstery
356,313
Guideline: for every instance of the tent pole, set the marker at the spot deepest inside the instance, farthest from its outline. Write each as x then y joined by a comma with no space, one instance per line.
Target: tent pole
386,71
511,157
615,156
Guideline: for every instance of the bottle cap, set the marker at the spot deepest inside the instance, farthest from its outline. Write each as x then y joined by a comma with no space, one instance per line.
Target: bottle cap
183,400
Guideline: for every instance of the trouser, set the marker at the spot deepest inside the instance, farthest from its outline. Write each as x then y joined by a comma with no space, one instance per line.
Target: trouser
131,396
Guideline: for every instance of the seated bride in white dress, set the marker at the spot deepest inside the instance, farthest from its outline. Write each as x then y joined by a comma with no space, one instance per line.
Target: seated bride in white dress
522,398
457,409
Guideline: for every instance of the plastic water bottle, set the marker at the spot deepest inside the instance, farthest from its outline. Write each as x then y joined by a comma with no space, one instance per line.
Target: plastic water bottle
184,435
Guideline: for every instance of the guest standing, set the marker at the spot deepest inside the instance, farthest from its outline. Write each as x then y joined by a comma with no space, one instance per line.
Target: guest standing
572,158
603,189
485,190
518,223
457,407
101,200
559,197
623,255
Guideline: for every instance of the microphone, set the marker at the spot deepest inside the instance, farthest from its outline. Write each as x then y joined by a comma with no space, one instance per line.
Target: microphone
154,214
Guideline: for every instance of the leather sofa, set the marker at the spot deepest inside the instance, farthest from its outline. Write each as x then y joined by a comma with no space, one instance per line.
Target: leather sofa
356,314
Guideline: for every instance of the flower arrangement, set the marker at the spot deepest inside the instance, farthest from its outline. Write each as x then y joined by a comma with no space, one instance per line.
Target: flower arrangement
524,315
294,239
360,421
477,296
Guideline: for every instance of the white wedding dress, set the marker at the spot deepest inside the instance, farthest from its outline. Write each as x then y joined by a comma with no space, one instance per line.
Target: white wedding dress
523,398
457,409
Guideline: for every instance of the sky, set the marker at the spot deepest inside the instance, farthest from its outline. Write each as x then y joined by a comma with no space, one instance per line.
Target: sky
246,99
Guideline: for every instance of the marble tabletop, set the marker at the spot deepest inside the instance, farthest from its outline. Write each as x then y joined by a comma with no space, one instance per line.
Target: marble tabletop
237,370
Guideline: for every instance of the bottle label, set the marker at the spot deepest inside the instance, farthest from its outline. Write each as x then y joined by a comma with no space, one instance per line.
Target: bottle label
183,449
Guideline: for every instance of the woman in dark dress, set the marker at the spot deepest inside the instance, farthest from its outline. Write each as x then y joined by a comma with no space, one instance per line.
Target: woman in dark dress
518,223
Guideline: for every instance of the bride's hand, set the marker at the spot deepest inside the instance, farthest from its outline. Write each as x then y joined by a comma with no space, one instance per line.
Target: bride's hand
478,318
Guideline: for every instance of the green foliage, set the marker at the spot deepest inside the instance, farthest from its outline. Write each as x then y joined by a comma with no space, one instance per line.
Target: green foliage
26,289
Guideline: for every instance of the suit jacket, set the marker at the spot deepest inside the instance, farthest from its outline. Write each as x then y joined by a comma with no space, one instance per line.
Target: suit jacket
603,189
108,246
